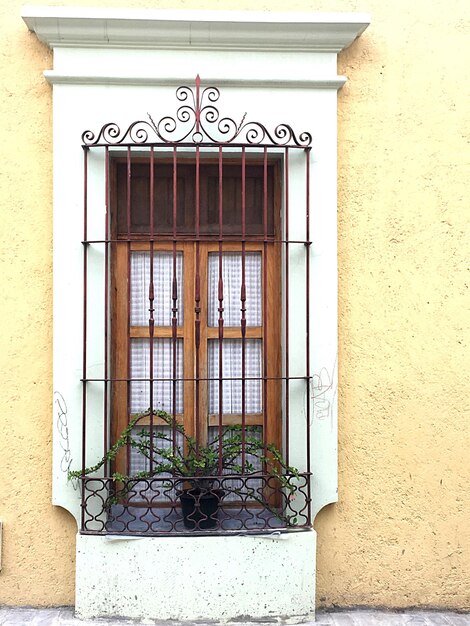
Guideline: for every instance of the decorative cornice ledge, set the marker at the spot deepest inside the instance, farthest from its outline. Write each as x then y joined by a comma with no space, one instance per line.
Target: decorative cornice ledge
223,30
56,78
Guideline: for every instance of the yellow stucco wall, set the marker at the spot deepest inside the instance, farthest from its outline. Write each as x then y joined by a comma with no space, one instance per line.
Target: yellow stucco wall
400,534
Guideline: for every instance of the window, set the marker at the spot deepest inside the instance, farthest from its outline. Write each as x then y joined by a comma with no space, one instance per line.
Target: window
198,264
236,380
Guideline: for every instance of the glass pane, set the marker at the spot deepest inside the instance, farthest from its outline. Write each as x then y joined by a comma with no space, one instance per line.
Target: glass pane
162,284
162,369
254,433
232,282
232,200
232,368
163,198
186,198
140,463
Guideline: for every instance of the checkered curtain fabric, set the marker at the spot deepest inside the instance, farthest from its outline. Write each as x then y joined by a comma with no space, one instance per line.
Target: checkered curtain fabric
163,348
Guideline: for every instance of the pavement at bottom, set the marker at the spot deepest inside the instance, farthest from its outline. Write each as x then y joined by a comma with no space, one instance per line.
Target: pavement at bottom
65,617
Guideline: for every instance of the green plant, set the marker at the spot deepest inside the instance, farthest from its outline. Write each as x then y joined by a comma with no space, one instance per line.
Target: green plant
194,462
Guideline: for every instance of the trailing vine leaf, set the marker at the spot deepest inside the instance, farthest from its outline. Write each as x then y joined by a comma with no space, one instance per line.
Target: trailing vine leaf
195,462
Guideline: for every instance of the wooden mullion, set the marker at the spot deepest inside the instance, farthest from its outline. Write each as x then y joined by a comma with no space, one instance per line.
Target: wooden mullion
119,351
233,246
144,246
160,332
203,357
188,337
234,419
273,434
234,332
272,319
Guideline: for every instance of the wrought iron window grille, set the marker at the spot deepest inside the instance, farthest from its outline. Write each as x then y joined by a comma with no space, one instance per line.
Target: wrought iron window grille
258,490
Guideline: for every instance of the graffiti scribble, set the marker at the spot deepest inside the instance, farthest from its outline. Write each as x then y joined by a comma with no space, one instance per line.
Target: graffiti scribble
324,390
62,427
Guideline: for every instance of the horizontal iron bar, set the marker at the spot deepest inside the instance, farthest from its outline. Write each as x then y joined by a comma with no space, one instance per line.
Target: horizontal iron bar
169,380
215,146
248,239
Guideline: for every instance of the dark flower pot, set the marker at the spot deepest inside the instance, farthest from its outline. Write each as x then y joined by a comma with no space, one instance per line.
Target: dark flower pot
200,508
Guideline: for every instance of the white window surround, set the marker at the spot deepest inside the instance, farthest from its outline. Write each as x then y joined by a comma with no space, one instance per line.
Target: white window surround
115,65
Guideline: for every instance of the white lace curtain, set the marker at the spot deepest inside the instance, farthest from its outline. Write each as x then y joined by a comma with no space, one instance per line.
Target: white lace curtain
232,284
163,351
162,281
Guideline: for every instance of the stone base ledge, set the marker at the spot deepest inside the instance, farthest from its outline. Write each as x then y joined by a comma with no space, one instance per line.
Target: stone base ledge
197,578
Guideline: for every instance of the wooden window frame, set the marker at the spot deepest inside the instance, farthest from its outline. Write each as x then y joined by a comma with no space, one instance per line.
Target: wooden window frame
270,418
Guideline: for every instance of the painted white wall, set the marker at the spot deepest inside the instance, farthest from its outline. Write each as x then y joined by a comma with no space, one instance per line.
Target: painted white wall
208,578
264,68
77,108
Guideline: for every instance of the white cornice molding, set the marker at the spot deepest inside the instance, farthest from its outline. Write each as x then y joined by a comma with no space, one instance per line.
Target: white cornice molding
58,78
226,30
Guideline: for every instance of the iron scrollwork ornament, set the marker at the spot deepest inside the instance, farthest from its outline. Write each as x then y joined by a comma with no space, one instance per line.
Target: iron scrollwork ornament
196,121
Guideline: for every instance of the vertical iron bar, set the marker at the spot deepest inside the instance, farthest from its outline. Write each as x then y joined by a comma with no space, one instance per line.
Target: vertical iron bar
221,305
197,108
287,298
265,301
197,281
243,304
307,323
128,219
151,298
197,298
174,296
85,289
106,307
